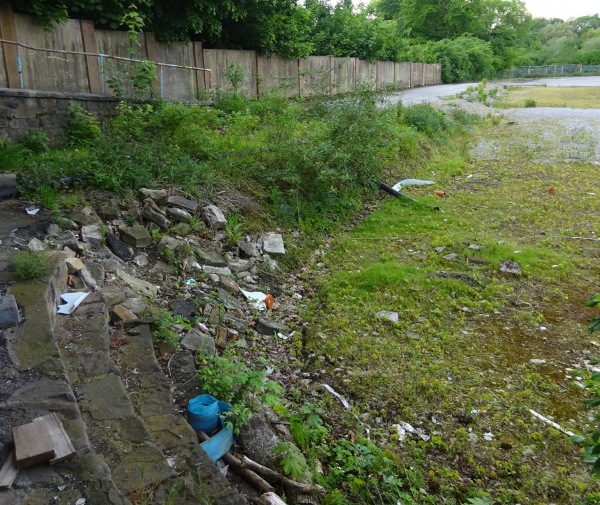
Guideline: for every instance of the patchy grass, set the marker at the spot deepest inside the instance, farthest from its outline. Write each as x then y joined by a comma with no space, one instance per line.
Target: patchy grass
457,364
573,97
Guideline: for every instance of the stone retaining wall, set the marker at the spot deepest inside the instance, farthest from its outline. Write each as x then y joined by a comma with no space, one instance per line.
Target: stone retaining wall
23,110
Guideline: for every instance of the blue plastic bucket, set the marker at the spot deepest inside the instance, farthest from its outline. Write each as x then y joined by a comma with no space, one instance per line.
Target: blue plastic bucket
221,442
203,413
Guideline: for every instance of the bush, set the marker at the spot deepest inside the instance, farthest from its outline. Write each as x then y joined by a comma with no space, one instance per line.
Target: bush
530,102
81,130
36,141
426,119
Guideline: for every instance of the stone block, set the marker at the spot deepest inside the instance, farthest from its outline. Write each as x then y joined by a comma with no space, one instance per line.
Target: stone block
272,243
213,217
135,236
183,203
9,312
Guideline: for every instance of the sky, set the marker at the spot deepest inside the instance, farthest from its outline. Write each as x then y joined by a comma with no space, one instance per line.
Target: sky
563,9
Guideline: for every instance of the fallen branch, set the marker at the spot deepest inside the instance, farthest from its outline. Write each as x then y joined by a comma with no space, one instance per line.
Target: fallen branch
237,466
269,474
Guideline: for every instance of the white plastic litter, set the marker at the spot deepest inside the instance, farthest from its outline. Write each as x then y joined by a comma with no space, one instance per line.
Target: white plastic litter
337,395
551,423
32,211
256,299
81,501
72,301
403,428
488,436
411,182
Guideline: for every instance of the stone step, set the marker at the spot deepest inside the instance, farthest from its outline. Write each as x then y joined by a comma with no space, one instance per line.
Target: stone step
127,406
34,384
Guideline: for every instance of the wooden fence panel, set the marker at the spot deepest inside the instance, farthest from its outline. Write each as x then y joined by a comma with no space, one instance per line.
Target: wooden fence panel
344,75
385,74
315,75
47,71
416,75
402,74
176,83
111,70
220,60
9,74
3,79
277,74
365,71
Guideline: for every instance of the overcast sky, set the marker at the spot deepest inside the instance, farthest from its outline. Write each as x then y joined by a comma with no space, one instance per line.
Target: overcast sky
563,9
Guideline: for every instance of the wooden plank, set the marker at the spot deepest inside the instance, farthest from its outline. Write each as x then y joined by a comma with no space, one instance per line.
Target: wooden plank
88,35
9,472
8,31
201,77
152,55
33,444
63,447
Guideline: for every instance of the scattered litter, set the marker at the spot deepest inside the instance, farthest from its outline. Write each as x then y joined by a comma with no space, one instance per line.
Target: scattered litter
284,337
269,301
440,249
9,472
205,413
256,299
554,266
543,328
591,194
551,190
411,182
439,193
171,462
435,420
476,247
337,395
191,282
469,176
537,361
403,428
388,315
551,423
223,468
488,436
72,301
81,501
32,211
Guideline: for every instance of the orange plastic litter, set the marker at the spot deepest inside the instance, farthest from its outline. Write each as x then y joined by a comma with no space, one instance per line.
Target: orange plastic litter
269,301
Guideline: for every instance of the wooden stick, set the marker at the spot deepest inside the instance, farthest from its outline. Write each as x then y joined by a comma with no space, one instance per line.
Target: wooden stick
267,473
242,471
271,499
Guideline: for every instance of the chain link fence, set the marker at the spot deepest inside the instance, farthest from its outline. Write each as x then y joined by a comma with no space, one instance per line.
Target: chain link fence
550,71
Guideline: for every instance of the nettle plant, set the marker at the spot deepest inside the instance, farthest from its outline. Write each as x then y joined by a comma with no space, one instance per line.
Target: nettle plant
138,76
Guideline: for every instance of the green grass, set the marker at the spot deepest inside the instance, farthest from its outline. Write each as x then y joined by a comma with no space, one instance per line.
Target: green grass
30,265
538,96
461,349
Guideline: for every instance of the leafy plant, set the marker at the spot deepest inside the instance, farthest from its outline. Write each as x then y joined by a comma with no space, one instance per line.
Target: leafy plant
166,320
234,228
36,140
12,156
81,129
292,460
233,382
530,102
30,265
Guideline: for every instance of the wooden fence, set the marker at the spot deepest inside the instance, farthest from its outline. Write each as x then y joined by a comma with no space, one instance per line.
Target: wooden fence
75,57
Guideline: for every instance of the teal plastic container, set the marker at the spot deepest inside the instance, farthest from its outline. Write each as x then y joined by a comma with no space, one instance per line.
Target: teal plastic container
203,413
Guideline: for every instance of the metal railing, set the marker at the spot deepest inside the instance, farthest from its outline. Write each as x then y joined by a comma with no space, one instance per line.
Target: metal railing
550,71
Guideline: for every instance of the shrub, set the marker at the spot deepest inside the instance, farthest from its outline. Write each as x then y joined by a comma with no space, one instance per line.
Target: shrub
81,129
36,141
530,102
426,119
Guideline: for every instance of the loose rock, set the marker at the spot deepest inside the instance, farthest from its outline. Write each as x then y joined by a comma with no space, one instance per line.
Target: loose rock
135,236
510,267
118,247
183,203
272,243
213,217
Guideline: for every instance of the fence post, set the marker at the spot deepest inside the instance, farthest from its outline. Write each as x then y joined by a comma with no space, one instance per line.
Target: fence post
8,31
201,76
88,36
152,55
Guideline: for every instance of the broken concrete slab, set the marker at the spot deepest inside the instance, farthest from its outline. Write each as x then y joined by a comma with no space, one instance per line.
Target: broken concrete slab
9,312
214,217
135,236
272,243
120,313
195,340
183,203
179,215
36,245
138,285
118,247
158,195
92,235
156,217
105,398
